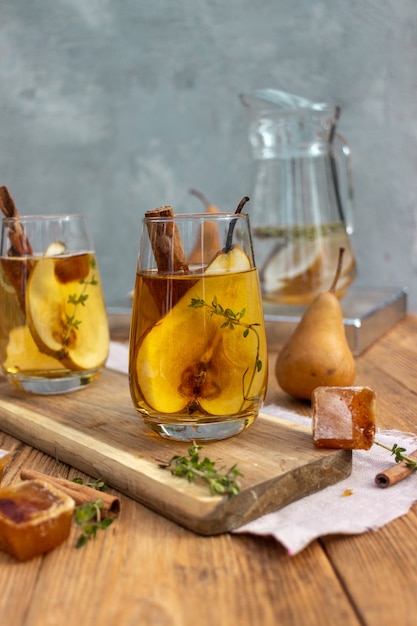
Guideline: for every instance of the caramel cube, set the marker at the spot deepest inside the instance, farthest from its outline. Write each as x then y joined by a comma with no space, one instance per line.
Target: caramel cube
35,517
343,417
5,458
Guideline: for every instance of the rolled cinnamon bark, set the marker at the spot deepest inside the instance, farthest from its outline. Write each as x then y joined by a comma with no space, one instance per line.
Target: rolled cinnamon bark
20,245
394,474
17,272
7,204
170,259
166,242
80,493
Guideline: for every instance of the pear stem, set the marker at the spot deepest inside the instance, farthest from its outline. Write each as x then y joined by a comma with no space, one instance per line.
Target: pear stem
232,225
200,196
241,204
338,271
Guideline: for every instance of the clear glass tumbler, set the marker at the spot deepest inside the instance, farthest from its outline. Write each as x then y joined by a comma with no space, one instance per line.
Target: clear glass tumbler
54,335
198,354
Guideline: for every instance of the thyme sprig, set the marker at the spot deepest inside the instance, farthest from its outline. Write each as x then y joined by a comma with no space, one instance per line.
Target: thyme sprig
97,484
233,320
89,517
77,300
193,467
399,455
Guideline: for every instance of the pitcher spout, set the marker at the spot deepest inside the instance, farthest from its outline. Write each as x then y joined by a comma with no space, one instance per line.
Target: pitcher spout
284,102
280,122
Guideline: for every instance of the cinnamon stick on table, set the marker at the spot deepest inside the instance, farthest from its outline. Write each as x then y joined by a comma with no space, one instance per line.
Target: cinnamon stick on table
80,493
394,474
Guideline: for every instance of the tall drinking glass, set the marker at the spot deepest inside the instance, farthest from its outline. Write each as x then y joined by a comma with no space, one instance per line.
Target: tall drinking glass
198,354
54,334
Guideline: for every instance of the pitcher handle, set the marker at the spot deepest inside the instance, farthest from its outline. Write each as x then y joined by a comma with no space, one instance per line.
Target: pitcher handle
346,208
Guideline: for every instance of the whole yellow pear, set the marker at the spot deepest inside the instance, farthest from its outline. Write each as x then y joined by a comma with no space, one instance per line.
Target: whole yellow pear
209,234
317,353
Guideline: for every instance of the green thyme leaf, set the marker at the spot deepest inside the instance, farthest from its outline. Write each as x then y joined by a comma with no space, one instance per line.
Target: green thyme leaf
97,484
232,320
88,517
76,300
399,455
193,468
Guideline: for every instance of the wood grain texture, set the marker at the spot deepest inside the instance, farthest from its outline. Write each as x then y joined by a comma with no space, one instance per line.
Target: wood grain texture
98,431
146,569
385,590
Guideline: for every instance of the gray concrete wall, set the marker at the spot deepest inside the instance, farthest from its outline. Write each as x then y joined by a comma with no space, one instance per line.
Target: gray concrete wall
112,107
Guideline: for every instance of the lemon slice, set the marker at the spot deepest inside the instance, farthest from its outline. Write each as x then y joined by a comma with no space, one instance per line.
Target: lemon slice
66,314
291,262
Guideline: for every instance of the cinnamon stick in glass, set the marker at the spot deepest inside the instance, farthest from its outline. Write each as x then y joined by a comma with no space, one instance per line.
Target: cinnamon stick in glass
16,271
166,242
170,259
20,245
394,474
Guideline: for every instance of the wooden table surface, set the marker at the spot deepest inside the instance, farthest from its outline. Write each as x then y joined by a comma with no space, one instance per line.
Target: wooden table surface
146,570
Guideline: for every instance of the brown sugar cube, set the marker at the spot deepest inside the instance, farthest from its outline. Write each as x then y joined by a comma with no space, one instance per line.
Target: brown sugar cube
5,458
343,417
35,517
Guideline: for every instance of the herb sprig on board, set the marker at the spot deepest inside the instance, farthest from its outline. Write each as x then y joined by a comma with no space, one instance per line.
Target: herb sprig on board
195,468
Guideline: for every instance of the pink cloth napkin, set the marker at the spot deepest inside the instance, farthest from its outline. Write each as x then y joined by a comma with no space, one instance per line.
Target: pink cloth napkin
332,511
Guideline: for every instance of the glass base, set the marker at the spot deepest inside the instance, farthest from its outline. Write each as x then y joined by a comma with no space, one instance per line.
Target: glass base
199,432
52,386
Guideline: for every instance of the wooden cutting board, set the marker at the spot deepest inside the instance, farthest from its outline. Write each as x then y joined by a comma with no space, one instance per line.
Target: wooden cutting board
97,431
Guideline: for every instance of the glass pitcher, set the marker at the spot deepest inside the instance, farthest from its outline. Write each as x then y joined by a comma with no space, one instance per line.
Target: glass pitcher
302,197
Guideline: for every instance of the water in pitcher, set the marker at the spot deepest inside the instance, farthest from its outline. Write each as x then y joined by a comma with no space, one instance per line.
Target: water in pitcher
301,209
298,263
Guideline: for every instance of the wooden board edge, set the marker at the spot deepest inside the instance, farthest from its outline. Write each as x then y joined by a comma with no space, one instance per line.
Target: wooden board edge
204,515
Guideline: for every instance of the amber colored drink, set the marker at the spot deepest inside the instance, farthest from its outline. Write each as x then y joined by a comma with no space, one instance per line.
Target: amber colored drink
198,351
53,321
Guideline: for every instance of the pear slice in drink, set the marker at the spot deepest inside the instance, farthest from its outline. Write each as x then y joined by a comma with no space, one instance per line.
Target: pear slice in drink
65,309
26,357
188,361
292,263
